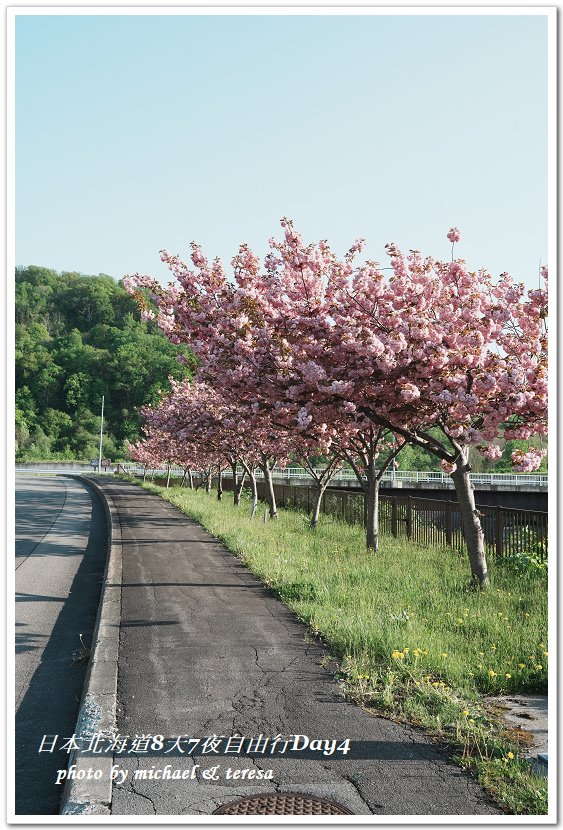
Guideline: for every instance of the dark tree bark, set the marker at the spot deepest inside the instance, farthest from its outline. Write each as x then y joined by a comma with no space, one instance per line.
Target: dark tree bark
254,489
322,480
472,530
371,495
320,488
271,495
447,449
237,486
363,460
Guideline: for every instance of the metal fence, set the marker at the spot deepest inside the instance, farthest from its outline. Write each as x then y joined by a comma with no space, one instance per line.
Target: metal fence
424,521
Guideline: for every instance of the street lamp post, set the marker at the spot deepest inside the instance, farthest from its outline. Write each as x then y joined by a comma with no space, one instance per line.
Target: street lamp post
101,434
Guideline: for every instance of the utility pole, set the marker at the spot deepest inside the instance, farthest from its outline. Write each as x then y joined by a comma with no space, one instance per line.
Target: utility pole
101,434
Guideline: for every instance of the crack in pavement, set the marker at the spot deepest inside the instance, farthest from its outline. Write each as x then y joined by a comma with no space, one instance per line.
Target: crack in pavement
355,784
240,662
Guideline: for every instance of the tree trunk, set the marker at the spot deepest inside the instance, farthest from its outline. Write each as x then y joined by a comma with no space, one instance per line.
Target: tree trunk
270,490
168,478
237,486
320,487
191,479
209,481
219,484
371,496
235,480
144,473
472,530
254,494
184,477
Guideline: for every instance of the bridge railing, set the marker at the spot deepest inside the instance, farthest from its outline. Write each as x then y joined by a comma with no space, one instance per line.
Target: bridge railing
436,477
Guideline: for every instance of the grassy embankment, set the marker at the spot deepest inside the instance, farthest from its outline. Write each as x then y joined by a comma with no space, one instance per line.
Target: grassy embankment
413,641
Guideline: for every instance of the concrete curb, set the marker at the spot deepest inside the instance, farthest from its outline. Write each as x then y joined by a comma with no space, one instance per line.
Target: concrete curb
97,713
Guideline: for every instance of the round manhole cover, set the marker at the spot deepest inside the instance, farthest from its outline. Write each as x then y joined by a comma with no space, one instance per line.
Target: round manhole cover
282,804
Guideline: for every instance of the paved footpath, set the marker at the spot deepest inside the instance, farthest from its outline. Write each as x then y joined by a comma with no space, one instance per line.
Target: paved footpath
206,649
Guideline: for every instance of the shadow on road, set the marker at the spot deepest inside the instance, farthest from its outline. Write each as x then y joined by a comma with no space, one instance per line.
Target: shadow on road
50,705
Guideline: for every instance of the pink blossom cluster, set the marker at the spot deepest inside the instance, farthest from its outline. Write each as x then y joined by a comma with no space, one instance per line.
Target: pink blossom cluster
527,461
429,351
492,452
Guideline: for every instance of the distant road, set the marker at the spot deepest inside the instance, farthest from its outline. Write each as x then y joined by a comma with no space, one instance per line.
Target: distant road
60,559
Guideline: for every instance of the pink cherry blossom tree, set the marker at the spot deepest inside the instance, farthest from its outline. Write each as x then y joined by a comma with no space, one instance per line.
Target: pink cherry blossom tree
201,423
440,356
142,453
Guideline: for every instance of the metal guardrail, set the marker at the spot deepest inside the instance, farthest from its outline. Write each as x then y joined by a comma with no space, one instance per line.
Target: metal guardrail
523,480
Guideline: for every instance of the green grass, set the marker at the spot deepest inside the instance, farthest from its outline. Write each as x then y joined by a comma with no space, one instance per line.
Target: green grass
414,641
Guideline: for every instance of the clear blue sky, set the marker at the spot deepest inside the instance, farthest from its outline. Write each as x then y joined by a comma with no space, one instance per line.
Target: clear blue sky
140,133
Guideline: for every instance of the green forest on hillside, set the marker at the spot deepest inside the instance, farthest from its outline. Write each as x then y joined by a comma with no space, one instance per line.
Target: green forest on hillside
77,338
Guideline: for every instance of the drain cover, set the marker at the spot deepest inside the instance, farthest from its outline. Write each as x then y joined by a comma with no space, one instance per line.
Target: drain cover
282,804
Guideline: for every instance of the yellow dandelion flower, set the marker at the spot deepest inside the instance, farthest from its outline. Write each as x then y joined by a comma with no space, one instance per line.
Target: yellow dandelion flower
396,655
510,755
481,654
405,651
492,673
539,667
471,720
545,653
532,658
465,713
435,684
444,654
521,665
508,676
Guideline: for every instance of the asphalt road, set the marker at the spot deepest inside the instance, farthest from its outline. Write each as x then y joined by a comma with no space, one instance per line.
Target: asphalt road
60,559
206,649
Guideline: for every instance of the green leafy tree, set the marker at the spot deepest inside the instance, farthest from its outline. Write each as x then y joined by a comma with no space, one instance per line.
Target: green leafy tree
78,338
